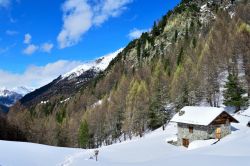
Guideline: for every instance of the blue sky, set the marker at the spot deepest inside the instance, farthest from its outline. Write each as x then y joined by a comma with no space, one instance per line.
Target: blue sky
50,37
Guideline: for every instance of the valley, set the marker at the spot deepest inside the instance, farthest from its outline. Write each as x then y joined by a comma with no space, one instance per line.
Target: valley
121,109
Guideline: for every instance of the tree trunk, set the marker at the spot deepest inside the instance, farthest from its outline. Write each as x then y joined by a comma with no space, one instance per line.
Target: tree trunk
237,109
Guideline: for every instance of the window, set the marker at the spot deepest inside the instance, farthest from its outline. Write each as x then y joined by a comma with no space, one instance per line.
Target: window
185,142
191,129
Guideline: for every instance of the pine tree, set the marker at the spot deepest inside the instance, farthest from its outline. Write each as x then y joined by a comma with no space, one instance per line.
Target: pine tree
194,42
186,33
83,139
180,56
233,95
175,36
157,114
155,30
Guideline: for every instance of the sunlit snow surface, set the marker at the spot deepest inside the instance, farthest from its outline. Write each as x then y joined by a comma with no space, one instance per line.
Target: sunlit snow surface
99,64
151,150
197,115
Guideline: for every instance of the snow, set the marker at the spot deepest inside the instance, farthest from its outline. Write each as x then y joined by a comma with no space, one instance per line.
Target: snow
203,8
150,150
17,90
197,115
44,102
201,143
22,90
28,154
63,101
99,64
245,112
4,92
99,102
206,14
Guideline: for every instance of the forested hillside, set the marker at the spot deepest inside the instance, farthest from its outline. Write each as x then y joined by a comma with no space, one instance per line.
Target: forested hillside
184,60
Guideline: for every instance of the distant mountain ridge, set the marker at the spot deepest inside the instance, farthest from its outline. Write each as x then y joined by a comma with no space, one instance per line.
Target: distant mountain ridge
8,97
3,109
98,65
69,83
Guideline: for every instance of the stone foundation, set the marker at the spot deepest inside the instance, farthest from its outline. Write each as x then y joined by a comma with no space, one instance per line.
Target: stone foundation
201,132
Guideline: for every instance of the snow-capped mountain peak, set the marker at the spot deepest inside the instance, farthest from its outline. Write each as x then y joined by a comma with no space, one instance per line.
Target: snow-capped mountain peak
99,64
5,92
22,90
8,97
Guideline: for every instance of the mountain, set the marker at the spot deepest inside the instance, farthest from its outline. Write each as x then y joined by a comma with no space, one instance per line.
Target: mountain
22,90
3,109
186,59
10,97
69,83
99,64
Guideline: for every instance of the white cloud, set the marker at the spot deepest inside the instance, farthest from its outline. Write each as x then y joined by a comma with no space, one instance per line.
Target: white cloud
11,32
46,47
109,8
5,3
36,76
30,49
27,38
136,33
77,20
80,15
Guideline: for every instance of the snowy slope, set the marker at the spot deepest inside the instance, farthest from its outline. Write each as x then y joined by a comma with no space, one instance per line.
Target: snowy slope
151,150
22,90
19,90
8,98
99,64
5,92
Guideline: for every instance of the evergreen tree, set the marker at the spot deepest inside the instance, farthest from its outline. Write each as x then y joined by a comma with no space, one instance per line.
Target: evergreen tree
155,30
186,33
194,42
175,36
233,95
83,139
179,58
183,99
157,114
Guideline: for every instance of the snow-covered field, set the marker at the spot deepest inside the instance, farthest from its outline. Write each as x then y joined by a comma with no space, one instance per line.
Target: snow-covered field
151,150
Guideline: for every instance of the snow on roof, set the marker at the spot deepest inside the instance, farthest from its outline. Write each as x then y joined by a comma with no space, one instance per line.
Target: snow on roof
197,115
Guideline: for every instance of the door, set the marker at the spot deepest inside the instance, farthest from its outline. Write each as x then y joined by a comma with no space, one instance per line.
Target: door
218,133
185,142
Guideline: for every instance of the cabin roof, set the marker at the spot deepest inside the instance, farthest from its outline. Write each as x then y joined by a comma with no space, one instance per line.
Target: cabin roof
199,115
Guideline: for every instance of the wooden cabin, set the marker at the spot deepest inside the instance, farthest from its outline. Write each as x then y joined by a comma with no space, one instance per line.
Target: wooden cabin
202,123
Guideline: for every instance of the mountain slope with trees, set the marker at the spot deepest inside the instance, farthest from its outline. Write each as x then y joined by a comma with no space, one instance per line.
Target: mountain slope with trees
182,61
